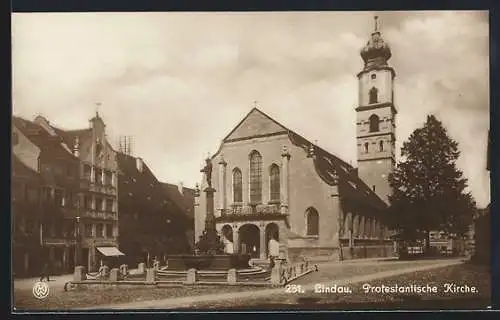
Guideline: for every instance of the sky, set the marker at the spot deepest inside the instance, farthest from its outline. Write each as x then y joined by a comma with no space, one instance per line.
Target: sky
178,83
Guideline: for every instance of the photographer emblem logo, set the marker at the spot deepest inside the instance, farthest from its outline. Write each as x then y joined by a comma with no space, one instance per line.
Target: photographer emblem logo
41,290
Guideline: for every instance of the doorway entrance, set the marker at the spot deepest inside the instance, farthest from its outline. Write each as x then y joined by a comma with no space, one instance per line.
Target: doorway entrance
272,232
249,240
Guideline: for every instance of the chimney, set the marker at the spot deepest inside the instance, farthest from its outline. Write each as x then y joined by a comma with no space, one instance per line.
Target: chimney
139,164
181,187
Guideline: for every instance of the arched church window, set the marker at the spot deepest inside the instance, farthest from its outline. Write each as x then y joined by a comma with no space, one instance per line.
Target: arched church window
255,177
366,147
374,123
237,186
381,145
373,95
374,76
312,221
274,174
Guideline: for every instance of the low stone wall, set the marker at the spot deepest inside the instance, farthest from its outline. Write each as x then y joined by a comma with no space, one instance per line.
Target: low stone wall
359,251
283,272
153,277
367,251
297,254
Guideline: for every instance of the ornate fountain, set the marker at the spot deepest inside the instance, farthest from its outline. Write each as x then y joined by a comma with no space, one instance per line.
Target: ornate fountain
209,254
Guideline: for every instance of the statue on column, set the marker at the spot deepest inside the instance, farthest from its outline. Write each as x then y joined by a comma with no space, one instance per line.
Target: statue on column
208,171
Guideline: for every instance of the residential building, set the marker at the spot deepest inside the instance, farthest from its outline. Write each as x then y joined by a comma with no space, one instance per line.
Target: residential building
45,198
184,198
151,223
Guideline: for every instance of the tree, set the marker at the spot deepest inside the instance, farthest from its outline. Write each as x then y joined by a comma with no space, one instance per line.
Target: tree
428,191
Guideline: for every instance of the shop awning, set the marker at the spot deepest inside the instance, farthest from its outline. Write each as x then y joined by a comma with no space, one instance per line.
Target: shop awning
110,251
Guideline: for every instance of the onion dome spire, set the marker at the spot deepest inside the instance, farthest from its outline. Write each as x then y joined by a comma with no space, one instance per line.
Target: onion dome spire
376,52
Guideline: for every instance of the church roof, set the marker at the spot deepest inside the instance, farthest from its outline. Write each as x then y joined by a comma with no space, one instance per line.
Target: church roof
255,121
331,169
328,166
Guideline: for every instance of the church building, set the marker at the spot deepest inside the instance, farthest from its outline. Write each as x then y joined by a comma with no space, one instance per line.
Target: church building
273,184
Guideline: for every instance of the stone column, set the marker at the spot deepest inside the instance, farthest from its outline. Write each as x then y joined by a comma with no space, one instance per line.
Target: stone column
105,230
150,275
362,227
113,179
334,193
192,276
232,276
262,242
65,258
337,208
222,185
90,267
285,157
92,174
103,177
210,218
79,274
236,244
114,275
355,226
368,226
374,228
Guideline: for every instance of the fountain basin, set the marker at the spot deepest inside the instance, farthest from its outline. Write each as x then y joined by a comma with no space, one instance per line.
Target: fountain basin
208,262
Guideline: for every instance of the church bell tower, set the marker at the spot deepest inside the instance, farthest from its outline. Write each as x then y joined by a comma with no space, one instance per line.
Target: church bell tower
376,115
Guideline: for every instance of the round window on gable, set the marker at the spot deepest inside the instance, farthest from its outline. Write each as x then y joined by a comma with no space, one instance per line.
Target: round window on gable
374,76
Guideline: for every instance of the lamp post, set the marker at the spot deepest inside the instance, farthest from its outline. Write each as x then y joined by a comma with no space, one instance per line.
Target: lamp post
78,243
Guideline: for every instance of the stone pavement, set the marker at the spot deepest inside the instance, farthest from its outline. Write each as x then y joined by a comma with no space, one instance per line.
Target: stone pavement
183,302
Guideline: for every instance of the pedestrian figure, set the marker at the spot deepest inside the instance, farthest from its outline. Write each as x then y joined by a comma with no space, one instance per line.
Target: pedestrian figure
45,272
101,270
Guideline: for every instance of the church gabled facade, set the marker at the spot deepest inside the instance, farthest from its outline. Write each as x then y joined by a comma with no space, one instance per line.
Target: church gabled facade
272,183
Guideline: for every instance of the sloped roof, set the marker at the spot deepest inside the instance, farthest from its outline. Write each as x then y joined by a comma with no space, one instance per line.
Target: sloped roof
21,170
350,185
255,121
185,200
69,136
141,192
47,143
